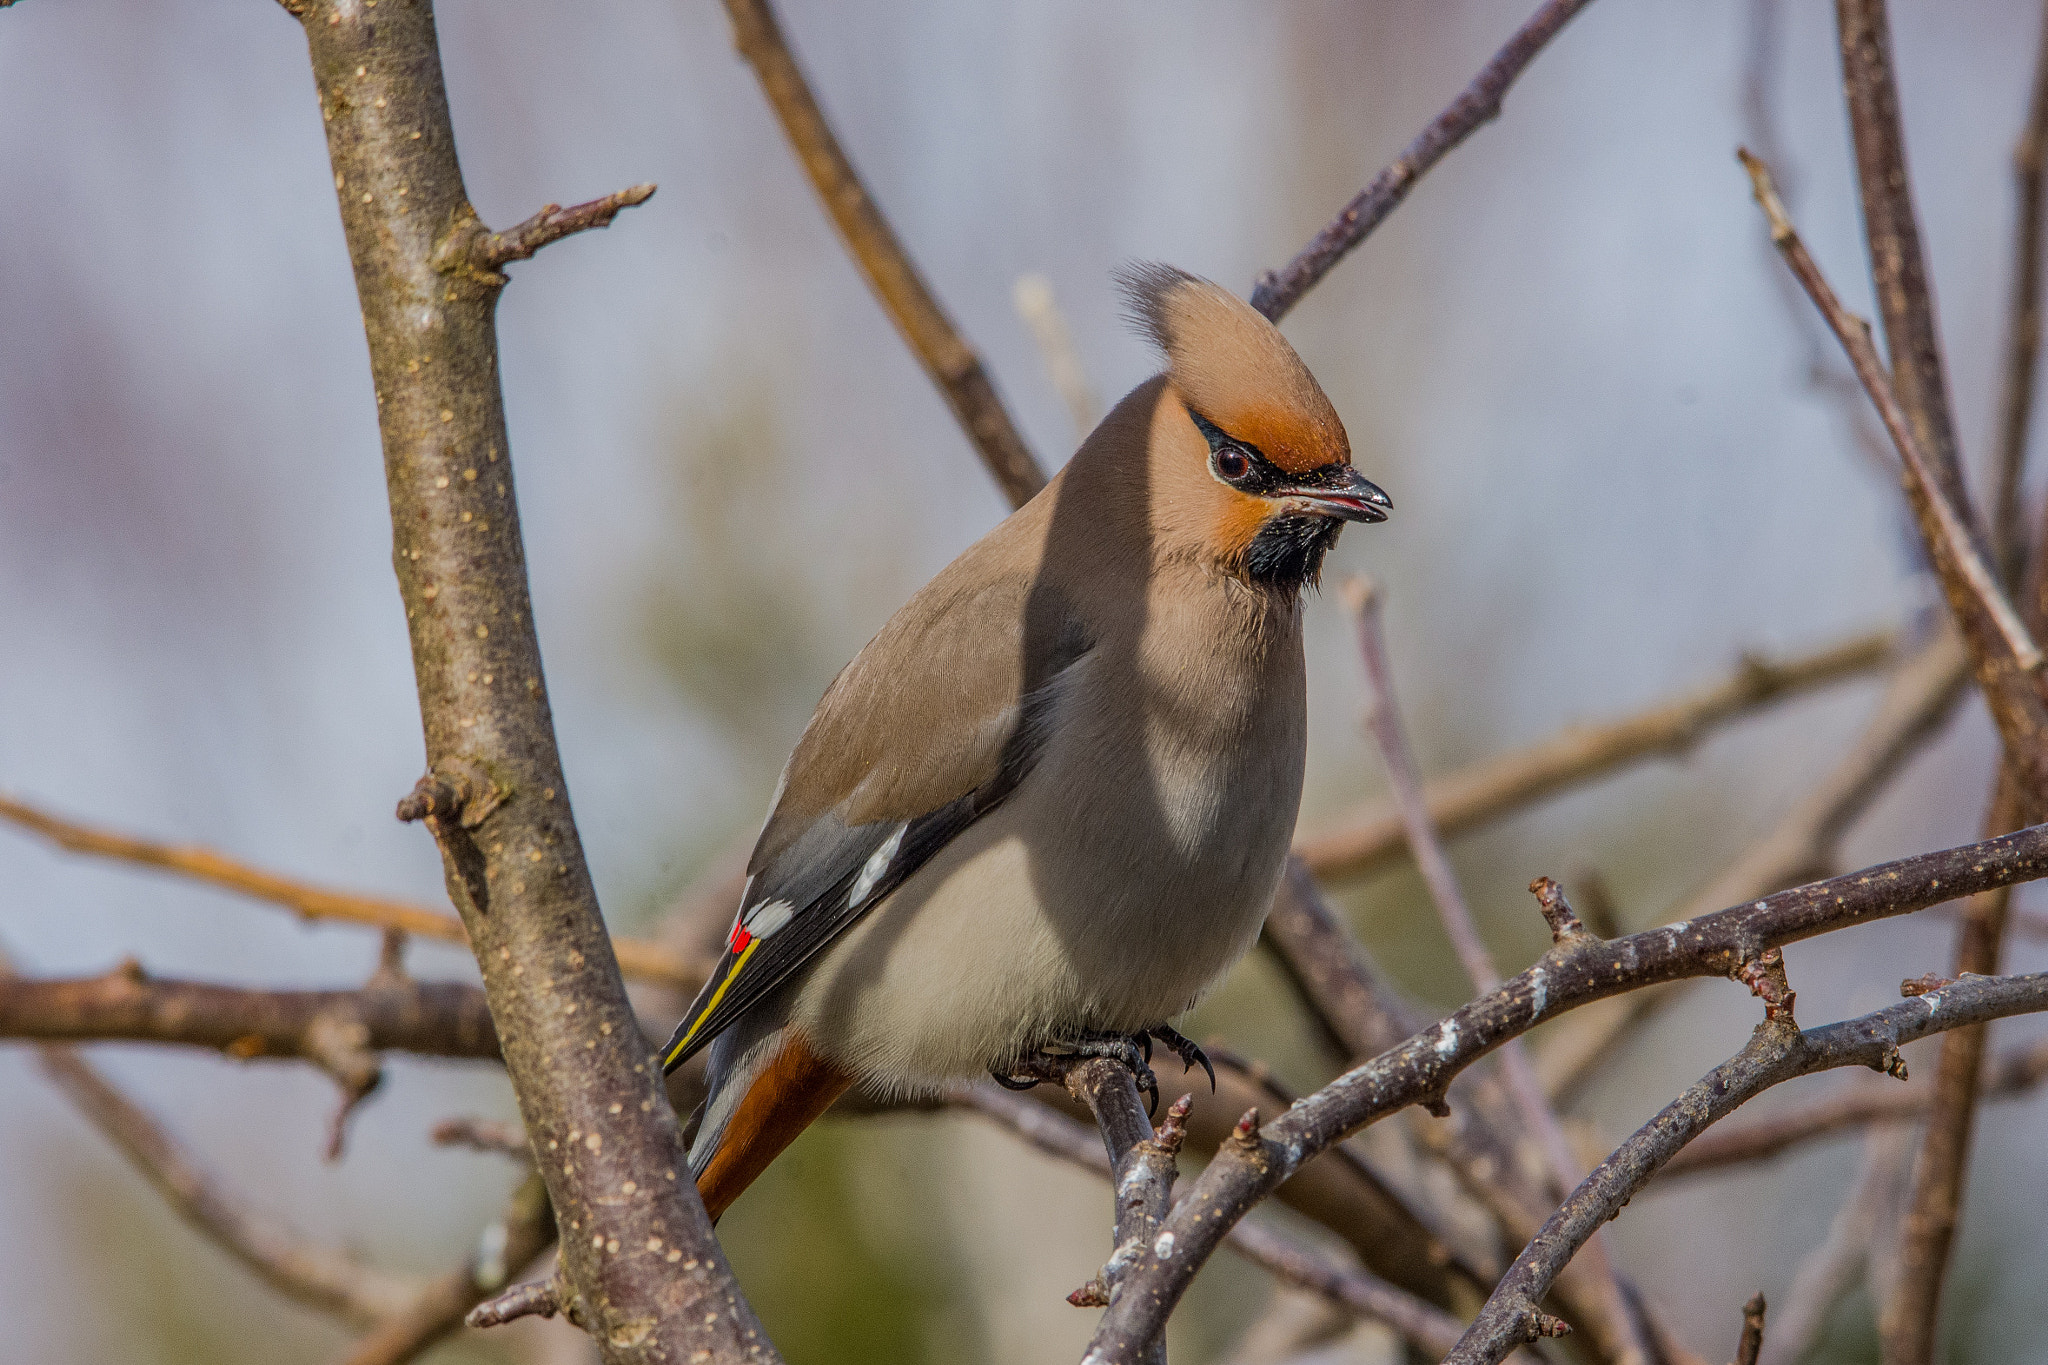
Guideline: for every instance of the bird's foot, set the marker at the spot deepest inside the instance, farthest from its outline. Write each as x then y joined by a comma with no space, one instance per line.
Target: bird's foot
1187,1049
1052,1061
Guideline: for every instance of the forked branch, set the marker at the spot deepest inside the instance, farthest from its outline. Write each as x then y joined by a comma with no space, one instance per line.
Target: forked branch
1720,944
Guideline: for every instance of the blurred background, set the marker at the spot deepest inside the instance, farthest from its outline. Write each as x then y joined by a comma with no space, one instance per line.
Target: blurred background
1619,453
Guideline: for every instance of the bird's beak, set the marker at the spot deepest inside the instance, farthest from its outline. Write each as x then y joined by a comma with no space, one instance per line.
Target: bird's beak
1341,492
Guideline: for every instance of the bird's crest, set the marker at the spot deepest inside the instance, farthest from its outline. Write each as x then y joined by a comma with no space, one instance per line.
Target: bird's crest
1233,367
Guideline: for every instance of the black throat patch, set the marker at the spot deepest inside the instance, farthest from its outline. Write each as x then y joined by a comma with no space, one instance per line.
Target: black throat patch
1288,552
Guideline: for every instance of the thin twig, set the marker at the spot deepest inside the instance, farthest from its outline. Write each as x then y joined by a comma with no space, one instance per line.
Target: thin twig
2010,1075
1364,1015
1373,835
484,1135
875,248
1356,1290
1832,1270
2022,321
1917,702
1904,300
1423,1066
2002,652
1041,313
1477,104
302,1270
1751,1343
494,796
1906,1321
637,957
489,252
1620,1332
1775,1053
511,1243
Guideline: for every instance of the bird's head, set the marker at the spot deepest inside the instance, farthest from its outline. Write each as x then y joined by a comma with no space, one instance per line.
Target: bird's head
1250,465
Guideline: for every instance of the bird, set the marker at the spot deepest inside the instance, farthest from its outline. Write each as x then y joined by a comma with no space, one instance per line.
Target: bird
1047,806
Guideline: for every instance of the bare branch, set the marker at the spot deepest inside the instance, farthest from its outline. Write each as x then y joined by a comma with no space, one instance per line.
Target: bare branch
2009,1075
1834,1268
484,1135
1617,1327
2002,652
538,1298
435,1019
608,1143
1712,945
283,1258
1356,1290
1041,313
1777,1052
873,244
637,957
2023,322
1897,271
1373,835
507,1247
1906,1323
1919,699
1479,103
1751,1344
487,253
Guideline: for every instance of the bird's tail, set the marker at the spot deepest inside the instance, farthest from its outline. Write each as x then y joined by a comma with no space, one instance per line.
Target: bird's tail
767,1085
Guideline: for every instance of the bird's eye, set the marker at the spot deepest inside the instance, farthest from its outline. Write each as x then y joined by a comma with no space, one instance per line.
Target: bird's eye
1232,464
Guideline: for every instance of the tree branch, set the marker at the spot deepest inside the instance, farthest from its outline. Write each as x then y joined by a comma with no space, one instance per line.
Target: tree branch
2023,322
472,248
1373,835
901,290
507,1247
1920,698
319,1277
1775,1053
637,957
1421,1068
2010,1075
1355,1290
2002,652
1364,1015
1620,1333
589,1091
1477,104
1834,1268
433,1019
1897,270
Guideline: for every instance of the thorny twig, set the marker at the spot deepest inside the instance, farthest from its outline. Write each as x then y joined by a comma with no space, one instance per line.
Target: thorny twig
1751,1343
487,253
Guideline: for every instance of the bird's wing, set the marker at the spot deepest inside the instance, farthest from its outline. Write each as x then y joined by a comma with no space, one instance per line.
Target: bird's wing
929,728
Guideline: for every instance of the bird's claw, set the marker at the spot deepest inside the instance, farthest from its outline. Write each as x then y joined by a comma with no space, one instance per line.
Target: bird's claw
1014,1082
1187,1049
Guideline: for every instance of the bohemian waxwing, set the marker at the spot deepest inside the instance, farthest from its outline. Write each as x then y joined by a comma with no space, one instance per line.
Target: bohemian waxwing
1049,803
